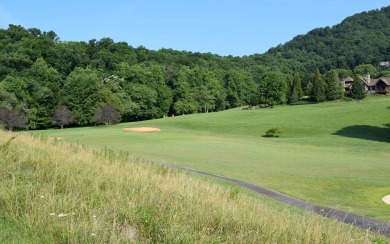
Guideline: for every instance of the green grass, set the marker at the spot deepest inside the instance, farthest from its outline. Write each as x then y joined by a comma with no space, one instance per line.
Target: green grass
334,154
54,192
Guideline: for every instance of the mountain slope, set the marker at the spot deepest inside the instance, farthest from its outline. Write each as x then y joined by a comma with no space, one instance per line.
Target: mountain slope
363,38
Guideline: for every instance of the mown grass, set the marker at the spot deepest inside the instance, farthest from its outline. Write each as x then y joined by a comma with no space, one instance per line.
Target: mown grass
334,154
54,192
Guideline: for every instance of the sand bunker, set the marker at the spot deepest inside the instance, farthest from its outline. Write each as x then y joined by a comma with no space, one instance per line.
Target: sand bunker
386,199
143,129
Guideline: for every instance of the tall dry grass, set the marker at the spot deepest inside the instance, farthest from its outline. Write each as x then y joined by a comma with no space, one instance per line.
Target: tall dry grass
53,192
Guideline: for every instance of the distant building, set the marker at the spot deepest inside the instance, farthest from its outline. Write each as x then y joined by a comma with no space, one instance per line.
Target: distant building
372,86
384,64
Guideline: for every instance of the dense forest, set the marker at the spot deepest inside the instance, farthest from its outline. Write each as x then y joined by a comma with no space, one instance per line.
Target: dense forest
45,82
360,39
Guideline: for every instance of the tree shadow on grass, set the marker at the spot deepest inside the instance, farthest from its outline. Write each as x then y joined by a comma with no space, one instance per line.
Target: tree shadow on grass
366,132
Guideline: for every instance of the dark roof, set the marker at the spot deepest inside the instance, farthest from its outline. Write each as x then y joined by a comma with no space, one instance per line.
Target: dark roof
386,80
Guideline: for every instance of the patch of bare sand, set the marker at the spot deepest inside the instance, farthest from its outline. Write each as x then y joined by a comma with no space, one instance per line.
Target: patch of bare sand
142,129
386,199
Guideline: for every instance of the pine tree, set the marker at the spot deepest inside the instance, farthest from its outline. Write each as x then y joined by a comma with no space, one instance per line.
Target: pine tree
318,90
294,89
298,85
334,89
309,89
357,91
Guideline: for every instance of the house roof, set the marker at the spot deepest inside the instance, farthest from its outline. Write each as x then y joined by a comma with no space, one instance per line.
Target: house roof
386,80
347,82
370,81
349,78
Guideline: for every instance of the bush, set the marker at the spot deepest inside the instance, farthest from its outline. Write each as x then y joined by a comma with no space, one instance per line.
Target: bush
273,132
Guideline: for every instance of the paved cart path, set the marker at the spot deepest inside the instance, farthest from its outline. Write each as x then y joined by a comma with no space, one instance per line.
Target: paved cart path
377,226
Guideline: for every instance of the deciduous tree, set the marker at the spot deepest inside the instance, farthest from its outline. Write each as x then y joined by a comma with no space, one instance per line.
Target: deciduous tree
44,90
81,95
365,69
62,116
183,95
107,115
272,88
12,119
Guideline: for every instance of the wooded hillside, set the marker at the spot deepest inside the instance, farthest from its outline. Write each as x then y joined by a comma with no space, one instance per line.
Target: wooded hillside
82,83
363,38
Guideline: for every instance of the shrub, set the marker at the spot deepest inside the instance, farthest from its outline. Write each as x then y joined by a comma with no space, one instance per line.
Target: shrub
273,132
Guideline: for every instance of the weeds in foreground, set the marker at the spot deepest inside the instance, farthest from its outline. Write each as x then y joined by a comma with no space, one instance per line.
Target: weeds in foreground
53,192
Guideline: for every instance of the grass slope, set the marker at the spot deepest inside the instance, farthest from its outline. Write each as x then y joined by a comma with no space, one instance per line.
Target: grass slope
334,154
52,192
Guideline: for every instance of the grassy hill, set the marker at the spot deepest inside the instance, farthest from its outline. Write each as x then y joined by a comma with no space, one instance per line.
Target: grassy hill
334,154
54,192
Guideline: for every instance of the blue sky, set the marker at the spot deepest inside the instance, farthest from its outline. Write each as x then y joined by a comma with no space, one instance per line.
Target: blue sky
222,27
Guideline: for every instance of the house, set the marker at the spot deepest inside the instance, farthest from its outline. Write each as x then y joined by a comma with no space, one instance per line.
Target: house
372,86
376,86
347,84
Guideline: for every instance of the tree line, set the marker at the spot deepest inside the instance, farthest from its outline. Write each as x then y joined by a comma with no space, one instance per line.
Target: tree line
55,83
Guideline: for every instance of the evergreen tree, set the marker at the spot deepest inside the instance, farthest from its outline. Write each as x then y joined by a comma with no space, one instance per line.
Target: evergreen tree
294,89
309,89
334,89
298,85
318,90
357,90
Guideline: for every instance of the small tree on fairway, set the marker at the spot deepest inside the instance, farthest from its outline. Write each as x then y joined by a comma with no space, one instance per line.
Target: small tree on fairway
273,132
12,119
357,91
62,116
107,115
